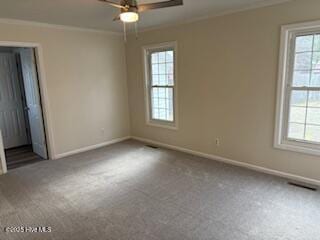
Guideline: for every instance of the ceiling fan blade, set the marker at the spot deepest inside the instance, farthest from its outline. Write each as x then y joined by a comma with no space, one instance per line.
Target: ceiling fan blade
114,4
150,6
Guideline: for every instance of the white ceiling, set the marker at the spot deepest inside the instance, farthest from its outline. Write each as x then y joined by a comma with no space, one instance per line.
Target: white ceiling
99,15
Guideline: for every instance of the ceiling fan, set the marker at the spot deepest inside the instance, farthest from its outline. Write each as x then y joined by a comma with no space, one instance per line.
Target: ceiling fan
130,9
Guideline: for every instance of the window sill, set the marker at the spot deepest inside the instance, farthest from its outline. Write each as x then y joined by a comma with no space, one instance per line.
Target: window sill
170,126
300,147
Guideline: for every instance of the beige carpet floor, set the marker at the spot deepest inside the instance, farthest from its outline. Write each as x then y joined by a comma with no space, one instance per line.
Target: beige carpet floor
131,191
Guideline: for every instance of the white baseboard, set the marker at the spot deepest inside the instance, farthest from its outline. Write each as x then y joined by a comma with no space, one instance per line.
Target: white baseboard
92,147
233,162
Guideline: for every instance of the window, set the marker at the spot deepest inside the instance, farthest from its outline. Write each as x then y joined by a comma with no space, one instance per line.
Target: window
298,110
160,78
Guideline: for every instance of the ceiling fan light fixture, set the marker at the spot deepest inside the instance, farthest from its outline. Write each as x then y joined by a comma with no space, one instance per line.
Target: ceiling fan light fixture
129,17
130,9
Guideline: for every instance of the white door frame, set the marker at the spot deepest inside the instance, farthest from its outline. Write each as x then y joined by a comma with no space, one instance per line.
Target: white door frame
43,92
2,156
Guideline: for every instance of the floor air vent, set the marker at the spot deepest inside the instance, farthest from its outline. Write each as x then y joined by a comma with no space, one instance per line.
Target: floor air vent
151,146
302,185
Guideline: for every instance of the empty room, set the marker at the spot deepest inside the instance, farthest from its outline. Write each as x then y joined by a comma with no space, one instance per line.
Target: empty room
160,120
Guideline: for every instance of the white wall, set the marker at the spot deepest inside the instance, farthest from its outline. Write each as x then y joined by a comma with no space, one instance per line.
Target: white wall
227,68
86,83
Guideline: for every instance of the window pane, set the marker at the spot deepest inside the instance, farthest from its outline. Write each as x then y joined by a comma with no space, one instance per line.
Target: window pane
313,116
313,133
169,68
303,61
170,93
299,98
314,99
155,92
162,92
162,104
169,104
315,78
155,79
301,78
162,114
296,131
163,80
155,69
162,57
155,113
155,101
304,43
316,43
154,58
169,56
298,114
162,68
316,60
170,79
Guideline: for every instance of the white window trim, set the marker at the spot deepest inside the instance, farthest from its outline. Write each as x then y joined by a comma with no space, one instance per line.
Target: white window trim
149,121
280,139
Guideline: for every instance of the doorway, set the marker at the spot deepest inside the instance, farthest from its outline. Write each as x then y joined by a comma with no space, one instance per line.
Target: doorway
21,114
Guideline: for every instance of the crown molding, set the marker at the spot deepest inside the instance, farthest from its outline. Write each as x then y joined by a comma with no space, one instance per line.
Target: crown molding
55,26
249,7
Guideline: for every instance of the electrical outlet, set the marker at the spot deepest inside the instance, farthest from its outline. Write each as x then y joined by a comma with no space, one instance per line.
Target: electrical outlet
217,142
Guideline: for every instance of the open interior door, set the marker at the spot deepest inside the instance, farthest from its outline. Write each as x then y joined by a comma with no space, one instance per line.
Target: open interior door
12,120
31,85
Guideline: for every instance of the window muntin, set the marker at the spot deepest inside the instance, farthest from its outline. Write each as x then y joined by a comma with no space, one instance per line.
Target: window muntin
304,90
160,85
